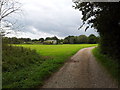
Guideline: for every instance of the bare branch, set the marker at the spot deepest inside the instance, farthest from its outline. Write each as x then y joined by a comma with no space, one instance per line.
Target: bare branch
7,7
5,15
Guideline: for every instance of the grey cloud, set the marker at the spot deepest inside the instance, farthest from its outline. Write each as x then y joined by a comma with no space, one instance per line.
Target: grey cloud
53,17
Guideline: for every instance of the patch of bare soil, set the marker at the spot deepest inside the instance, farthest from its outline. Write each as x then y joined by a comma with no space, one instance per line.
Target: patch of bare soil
81,71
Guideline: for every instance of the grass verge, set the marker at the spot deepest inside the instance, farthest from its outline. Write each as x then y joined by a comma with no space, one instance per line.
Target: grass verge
107,62
18,67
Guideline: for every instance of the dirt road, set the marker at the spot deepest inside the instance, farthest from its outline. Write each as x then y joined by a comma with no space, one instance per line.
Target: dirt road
81,71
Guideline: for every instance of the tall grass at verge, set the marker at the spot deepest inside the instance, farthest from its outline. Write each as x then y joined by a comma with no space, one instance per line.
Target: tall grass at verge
20,67
110,64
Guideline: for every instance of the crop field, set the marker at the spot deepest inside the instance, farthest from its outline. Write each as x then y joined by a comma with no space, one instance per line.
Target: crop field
52,57
55,51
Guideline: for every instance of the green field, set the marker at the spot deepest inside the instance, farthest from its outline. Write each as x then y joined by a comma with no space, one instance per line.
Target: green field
55,51
33,75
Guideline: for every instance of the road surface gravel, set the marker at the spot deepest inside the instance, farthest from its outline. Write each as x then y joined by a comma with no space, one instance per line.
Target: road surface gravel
81,71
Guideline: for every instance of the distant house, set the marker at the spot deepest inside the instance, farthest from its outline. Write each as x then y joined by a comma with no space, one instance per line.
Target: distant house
50,42
53,41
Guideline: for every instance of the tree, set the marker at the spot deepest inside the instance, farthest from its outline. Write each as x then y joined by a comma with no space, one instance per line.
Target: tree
82,39
69,40
7,8
92,39
75,39
35,40
104,17
66,41
41,39
48,38
54,38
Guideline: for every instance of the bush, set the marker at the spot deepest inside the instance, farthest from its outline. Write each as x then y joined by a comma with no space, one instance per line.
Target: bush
15,58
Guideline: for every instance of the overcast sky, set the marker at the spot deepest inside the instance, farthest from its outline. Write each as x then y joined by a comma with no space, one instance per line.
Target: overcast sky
47,18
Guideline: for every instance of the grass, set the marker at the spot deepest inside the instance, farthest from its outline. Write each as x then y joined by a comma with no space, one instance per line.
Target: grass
15,61
28,67
107,62
15,58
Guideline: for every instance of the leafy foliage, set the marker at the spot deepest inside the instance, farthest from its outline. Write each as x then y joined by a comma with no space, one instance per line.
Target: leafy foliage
105,17
82,39
92,39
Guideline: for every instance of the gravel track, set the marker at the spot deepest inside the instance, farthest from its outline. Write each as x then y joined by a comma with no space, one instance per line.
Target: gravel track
81,71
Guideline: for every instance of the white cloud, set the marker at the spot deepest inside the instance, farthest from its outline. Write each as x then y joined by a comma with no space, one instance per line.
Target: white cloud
34,34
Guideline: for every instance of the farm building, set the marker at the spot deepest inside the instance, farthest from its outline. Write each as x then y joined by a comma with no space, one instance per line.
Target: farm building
50,42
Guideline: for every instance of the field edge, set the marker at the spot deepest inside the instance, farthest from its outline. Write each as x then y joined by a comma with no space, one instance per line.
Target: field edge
109,64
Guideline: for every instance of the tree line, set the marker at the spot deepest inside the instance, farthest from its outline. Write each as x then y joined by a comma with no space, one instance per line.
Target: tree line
82,39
